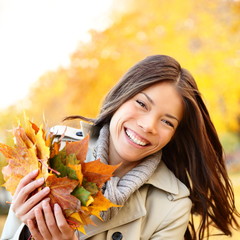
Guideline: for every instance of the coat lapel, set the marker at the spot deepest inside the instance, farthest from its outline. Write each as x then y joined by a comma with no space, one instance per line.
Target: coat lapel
164,179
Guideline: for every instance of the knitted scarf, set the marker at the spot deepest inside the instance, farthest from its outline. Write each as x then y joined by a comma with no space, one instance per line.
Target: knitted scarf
118,190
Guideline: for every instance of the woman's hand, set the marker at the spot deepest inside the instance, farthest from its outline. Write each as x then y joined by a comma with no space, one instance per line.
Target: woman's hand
49,224
24,202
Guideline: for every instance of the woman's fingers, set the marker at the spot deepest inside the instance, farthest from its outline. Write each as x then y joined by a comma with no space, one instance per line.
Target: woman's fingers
50,224
35,234
25,191
56,222
62,224
50,219
37,197
24,216
25,180
21,206
41,223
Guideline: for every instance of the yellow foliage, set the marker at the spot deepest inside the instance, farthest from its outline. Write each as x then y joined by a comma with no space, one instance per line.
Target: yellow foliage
202,35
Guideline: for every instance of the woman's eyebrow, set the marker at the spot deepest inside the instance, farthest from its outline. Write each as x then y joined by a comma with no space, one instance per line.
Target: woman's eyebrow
171,116
149,99
152,102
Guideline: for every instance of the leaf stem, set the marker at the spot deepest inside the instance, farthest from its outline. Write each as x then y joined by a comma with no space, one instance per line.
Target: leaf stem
72,223
51,169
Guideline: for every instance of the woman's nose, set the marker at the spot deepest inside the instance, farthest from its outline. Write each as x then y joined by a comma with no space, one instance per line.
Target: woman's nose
148,124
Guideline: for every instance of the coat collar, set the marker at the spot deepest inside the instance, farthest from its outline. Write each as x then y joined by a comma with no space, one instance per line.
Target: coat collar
164,179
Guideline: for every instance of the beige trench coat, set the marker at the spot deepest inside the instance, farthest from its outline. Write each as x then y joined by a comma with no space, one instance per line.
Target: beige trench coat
160,209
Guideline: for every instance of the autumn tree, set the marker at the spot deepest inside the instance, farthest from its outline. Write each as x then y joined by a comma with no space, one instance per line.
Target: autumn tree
199,34
204,36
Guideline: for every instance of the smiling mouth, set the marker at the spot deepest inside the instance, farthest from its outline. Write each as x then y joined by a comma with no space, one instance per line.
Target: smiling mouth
135,139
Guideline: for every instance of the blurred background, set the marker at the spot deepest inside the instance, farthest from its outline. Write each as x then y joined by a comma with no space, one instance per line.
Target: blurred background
59,58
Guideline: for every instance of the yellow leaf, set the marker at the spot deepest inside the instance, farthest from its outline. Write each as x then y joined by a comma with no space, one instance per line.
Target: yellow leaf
20,162
78,169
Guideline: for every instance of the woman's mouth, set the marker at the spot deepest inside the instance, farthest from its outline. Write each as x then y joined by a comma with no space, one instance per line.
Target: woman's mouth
135,138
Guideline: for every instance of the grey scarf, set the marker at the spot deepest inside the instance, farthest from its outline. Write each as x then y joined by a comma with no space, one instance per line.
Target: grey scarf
118,190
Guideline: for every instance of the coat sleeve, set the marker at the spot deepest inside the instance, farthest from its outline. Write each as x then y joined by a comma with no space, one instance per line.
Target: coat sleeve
175,224
12,228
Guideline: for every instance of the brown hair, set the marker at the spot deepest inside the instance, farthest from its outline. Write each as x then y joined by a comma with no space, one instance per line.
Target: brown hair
195,154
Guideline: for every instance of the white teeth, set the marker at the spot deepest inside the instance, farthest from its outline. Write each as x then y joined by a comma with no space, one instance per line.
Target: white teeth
134,139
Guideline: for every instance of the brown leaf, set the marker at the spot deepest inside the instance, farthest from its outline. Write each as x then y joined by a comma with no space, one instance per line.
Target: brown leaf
60,193
80,148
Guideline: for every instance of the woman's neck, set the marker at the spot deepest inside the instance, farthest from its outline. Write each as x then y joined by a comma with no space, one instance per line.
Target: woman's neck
124,167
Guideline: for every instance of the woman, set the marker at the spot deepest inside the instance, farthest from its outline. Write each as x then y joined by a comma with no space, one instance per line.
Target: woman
156,124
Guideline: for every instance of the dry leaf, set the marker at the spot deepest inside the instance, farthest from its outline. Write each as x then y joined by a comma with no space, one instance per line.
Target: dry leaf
21,160
79,148
60,192
98,172
100,204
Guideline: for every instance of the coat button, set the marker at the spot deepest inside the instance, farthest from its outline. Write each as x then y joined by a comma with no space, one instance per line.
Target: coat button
117,236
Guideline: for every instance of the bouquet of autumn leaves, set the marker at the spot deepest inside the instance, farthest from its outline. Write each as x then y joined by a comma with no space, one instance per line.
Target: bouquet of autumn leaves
74,184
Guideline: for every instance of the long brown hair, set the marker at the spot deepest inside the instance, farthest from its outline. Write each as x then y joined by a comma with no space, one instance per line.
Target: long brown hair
195,154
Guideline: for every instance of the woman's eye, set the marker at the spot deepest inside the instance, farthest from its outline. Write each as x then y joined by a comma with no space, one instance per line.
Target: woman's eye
141,104
167,123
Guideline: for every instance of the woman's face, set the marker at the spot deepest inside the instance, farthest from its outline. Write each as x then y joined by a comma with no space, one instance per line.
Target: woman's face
145,124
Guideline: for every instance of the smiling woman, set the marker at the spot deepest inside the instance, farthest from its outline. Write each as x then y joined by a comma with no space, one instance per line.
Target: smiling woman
144,124
155,123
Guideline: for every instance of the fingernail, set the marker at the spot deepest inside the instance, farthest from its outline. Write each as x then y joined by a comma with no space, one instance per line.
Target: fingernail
46,189
45,203
37,211
35,171
40,180
56,207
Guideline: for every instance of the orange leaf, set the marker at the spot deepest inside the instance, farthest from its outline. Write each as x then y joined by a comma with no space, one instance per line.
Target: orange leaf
98,172
79,148
54,149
